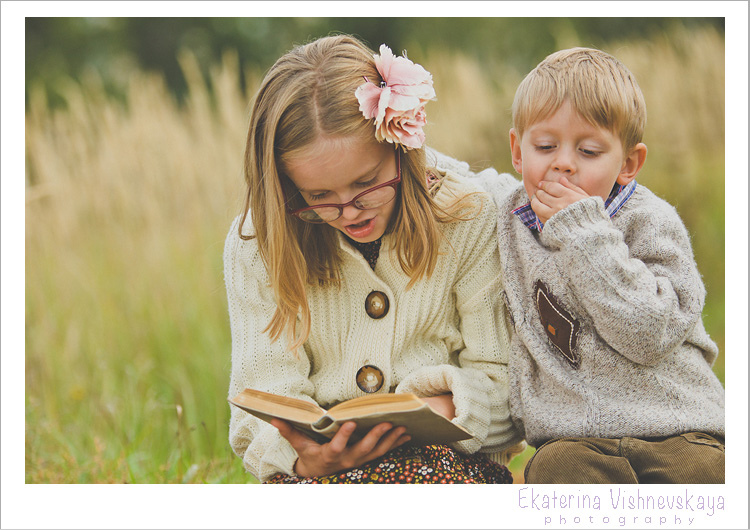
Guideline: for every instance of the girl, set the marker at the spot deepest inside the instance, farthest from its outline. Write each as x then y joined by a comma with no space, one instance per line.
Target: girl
355,269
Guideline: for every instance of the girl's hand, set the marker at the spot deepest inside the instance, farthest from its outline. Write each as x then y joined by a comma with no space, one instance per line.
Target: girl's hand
551,197
442,404
316,460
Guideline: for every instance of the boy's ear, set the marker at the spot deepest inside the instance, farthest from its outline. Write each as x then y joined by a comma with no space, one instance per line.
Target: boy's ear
515,151
633,164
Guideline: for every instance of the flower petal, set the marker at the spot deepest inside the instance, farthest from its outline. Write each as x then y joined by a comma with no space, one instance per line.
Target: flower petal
403,102
405,72
397,107
383,103
368,96
403,128
384,61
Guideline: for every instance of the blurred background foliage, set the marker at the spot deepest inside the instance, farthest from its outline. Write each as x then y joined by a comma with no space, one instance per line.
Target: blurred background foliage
135,132
60,48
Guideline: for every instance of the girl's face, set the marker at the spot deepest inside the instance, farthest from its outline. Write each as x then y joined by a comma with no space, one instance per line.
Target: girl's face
334,171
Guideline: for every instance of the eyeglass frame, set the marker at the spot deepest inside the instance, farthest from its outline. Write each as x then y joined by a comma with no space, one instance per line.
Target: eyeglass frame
392,183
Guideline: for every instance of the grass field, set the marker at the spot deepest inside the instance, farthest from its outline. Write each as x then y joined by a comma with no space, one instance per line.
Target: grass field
127,206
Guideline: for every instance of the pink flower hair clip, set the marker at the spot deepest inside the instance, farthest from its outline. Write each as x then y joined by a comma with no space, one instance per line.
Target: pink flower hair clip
398,103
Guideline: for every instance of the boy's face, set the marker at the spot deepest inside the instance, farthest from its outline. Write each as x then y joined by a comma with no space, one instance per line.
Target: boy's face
564,144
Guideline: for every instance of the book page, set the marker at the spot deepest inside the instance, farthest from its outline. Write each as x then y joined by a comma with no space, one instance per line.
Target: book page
296,410
378,403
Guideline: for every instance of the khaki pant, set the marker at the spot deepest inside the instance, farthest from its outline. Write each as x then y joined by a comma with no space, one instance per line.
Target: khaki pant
690,458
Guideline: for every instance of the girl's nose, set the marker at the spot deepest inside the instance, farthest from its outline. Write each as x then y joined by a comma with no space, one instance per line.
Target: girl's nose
350,212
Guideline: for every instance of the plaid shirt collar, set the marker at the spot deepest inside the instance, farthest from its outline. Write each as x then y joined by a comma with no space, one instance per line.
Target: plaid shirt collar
617,197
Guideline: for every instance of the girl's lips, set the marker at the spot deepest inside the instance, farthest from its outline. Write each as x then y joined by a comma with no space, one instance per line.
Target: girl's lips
361,230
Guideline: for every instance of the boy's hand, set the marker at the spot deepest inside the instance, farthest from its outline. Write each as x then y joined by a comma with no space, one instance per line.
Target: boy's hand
551,197
317,460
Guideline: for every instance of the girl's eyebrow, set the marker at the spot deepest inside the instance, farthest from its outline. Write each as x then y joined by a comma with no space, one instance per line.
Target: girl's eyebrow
365,174
368,174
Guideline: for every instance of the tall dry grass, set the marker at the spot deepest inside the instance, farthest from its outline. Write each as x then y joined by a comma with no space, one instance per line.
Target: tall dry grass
127,337
127,206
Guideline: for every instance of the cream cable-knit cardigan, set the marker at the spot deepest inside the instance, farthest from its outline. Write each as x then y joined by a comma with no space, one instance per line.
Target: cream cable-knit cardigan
448,333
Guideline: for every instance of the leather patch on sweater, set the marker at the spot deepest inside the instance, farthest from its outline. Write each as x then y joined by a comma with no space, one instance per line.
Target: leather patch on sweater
559,325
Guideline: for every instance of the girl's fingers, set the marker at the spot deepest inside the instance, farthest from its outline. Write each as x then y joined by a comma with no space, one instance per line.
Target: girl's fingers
340,440
297,439
401,441
390,441
284,428
371,439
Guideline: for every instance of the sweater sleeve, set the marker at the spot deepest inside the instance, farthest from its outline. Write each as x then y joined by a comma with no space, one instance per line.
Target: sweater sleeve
499,185
641,288
257,362
479,378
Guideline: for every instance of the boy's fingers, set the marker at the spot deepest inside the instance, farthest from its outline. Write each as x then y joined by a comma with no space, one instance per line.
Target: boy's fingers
542,196
551,189
542,211
538,203
566,183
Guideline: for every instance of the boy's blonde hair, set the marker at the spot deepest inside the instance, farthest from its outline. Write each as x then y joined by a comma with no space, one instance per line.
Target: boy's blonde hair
308,94
598,86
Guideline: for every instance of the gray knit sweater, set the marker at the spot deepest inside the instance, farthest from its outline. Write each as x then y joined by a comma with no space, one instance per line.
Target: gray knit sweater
608,337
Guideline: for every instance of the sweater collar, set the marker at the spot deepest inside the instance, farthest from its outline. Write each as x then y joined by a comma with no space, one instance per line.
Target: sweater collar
370,251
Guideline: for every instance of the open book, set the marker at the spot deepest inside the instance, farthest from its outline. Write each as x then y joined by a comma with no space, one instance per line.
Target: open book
424,425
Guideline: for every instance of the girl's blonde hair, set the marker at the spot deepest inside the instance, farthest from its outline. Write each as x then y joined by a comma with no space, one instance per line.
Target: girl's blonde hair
599,87
309,93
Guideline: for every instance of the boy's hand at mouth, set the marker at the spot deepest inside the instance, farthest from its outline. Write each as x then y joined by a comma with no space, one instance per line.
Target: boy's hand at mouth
551,197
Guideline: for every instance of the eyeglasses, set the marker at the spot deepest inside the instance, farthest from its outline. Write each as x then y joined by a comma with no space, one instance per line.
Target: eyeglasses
367,200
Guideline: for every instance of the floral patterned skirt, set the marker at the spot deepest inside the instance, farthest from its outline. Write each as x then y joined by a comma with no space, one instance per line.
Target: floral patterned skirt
429,464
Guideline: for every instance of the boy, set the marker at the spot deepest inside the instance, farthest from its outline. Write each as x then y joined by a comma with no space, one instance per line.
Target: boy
610,367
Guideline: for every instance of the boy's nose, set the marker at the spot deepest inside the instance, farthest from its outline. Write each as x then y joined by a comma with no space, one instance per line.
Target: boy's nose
564,162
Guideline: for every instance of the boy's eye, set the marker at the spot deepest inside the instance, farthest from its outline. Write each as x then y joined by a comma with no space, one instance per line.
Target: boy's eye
589,152
544,147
